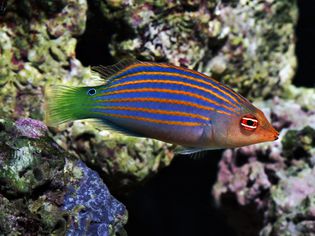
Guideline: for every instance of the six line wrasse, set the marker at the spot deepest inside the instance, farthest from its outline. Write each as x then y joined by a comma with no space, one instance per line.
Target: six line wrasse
164,102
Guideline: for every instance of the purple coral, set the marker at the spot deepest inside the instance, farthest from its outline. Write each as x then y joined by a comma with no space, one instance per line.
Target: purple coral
94,210
247,182
30,128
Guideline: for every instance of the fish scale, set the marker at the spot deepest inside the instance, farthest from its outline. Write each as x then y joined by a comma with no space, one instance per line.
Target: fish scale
144,69
176,88
170,82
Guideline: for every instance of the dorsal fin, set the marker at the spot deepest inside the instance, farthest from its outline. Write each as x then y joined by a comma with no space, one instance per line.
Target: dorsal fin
107,72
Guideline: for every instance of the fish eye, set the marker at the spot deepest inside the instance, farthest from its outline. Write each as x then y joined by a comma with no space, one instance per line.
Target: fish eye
91,91
249,122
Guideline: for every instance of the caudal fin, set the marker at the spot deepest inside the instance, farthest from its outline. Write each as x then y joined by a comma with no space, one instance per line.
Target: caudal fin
63,104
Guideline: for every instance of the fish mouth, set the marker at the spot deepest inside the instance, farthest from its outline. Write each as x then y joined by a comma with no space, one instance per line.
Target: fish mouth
272,135
275,134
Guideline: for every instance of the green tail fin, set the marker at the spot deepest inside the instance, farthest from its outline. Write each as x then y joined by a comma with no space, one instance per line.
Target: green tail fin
63,104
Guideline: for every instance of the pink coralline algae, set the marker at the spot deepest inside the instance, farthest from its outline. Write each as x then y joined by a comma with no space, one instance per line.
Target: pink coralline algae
30,128
247,182
270,187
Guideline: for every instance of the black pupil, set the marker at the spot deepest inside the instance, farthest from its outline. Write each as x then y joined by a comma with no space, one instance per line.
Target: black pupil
250,122
92,91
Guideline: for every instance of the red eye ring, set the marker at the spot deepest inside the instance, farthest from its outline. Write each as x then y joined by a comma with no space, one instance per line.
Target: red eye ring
249,122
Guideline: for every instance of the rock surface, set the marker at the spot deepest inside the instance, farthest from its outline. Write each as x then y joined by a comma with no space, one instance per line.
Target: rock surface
44,190
272,184
249,45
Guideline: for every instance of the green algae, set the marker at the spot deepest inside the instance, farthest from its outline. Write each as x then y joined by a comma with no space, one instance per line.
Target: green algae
299,143
303,96
24,165
37,49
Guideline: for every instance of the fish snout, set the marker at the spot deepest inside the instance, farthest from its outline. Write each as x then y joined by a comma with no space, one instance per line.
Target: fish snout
275,134
271,135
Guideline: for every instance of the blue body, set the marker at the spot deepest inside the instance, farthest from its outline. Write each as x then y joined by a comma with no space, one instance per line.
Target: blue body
165,102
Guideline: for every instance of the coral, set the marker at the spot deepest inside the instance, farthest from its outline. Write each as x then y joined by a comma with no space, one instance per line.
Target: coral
274,181
95,211
30,128
291,207
44,190
37,48
27,160
247,44
14,216
31,176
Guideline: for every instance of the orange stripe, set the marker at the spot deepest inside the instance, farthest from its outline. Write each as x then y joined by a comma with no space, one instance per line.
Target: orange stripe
166,91
144,64
171,82
155,111
239,96
131,67
181,123
186,77
214,81
169,101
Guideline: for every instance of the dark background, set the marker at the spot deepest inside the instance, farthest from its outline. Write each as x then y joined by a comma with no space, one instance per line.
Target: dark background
177,201
305,48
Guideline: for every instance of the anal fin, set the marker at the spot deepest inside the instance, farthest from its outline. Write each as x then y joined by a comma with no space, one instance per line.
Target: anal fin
190,150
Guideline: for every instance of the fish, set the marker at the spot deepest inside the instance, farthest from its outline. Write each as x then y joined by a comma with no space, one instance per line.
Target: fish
161,101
